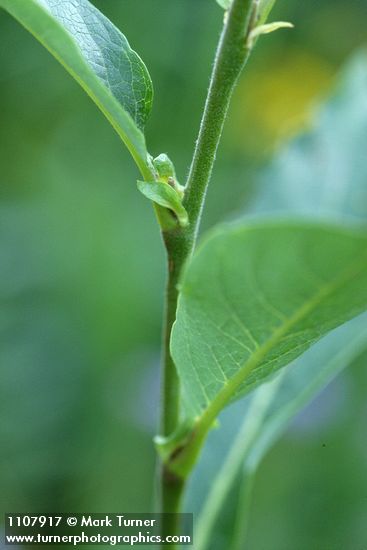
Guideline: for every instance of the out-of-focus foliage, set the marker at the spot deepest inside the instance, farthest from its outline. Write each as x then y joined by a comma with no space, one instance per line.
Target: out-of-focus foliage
323,172
275,100
82,269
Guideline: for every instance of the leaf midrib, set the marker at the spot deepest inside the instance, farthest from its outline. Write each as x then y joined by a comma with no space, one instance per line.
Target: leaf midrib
228,390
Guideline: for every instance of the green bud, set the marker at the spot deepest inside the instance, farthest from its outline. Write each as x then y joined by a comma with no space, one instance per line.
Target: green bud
166,173
164,167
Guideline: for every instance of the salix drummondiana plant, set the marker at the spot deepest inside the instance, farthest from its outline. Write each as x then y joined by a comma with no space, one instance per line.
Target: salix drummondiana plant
255,295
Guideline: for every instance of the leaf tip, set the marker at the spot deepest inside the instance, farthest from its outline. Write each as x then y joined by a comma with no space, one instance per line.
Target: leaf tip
267,28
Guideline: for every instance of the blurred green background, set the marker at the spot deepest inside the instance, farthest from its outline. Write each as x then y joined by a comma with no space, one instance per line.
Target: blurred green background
82,270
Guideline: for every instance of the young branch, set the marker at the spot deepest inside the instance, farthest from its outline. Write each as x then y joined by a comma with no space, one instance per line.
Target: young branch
232,53
230,58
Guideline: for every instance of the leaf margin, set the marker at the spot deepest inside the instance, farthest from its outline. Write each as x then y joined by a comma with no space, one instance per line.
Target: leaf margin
116,114
183,462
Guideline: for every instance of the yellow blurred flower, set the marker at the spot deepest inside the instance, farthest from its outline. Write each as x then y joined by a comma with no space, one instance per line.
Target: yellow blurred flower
274,101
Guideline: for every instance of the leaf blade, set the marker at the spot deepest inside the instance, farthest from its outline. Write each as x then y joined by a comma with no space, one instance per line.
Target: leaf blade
240,355
97,56
267,29
163,194
295,182
225,4
265,8
271,408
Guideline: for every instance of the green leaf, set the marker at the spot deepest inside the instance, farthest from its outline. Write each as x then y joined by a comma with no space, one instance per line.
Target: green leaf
268,414
267,29
99,57
304,379
295,182
254,298
163,194
265,7
225,4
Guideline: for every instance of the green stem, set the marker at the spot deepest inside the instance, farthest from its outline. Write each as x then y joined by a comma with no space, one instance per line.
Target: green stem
170,382
172,491
229,61
230,58
171,485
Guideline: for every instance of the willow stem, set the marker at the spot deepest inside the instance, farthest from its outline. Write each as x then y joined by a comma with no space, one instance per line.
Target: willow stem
230,59
231,55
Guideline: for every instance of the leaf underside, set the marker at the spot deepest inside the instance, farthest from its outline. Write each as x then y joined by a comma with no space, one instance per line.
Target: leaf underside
98,56
319,174
268,412
256,297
